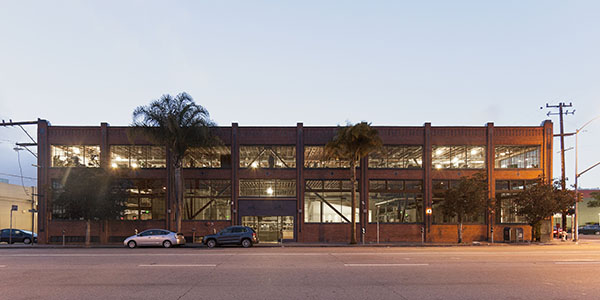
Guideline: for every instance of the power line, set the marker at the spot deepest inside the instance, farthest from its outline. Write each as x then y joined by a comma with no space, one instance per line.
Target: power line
13,175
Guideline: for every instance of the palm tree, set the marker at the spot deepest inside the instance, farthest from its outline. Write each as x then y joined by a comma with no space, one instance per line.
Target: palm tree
178,123
351,144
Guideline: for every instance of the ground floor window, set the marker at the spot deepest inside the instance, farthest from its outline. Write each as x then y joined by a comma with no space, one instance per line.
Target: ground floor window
506,210
207,200
329,201
146,200
439,195
395,201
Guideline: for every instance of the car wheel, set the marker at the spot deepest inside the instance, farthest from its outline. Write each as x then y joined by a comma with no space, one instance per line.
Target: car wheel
167,244
131,244
246,243
211,243
26,241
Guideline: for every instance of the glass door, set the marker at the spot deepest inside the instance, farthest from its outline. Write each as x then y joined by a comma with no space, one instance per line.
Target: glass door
271,229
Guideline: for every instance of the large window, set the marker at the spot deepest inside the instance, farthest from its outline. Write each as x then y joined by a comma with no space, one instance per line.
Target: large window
208,157
267,157
517,157
207,200
395,201
458,157
328,201
506,191
397,157
268,188
75,156
314,157
146,200
129,156
440,187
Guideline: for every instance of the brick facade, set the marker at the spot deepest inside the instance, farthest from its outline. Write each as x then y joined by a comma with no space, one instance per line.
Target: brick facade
300,136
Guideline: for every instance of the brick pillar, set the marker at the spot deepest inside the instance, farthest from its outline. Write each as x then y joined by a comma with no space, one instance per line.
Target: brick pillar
547,149
490,165
364,195
427,189
299,178
43,183
104,147
235,166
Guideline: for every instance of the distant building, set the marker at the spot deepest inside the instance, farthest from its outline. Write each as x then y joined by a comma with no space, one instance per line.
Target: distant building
12,194
276,180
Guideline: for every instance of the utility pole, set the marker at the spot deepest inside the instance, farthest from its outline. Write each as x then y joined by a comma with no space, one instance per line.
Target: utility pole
563,181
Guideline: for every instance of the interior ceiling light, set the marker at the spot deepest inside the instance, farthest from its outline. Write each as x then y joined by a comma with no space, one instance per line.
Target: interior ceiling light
270,190
254,164
439,152
114,165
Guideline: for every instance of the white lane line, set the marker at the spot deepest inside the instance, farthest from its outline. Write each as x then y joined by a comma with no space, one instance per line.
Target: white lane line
177,265
576,262
384,265
2,266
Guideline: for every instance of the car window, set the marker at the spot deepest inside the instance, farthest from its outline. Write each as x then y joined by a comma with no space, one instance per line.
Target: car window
226,230
146,233
162,232
237,230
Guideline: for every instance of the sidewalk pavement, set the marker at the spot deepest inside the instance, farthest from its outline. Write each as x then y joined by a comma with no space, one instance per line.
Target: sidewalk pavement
296,244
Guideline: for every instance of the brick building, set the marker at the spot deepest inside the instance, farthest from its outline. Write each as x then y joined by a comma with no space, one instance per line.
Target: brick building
276,180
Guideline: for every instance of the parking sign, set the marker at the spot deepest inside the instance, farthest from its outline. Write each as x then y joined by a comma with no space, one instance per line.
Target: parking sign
15,207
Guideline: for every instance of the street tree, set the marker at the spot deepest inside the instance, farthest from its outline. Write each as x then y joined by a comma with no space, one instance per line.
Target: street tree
596,201
540,201
468,199
91,194
178,123
352,143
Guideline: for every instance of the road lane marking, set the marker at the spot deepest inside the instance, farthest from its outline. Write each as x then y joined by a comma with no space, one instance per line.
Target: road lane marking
384,265
576,262
2,266
177,265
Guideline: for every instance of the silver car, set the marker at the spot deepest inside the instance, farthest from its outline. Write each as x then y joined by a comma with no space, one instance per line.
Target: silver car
155,237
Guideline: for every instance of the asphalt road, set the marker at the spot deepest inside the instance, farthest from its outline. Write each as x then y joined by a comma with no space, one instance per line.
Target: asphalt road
500,272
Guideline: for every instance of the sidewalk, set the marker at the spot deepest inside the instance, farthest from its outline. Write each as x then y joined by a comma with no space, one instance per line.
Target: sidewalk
314,245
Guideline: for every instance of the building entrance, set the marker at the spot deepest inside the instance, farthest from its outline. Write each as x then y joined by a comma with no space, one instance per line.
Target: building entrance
271,228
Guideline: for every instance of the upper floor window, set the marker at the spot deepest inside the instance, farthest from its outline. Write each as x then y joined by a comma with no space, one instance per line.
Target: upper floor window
458,157
268,188
397,157
315,158
75,156
517,157
129,156
267,156
208,157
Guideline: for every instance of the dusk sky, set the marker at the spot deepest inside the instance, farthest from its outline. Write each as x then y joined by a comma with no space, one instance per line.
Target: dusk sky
316,62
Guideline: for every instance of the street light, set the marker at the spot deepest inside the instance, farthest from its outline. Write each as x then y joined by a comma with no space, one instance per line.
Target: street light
575,228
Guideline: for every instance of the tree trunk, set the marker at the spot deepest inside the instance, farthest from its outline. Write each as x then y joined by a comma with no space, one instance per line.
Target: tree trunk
87,232
353,216
460,230
178,197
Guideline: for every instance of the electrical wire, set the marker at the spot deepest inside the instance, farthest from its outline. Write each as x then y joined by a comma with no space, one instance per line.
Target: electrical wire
21,171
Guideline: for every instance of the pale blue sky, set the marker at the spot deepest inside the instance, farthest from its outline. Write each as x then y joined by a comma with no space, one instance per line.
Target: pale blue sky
317,62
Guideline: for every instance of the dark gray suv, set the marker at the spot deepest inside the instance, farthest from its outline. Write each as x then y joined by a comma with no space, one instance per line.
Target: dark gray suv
232,235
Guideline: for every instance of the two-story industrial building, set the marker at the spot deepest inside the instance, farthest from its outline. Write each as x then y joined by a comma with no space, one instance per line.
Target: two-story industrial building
276,180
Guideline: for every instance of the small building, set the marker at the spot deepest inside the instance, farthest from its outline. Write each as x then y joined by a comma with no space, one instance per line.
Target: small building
276,180
13,194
